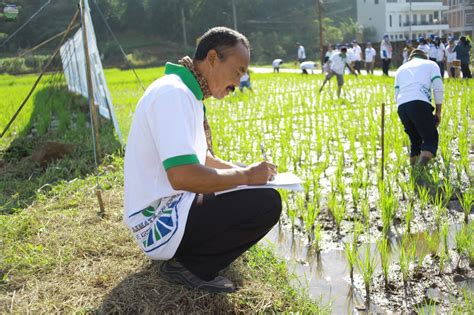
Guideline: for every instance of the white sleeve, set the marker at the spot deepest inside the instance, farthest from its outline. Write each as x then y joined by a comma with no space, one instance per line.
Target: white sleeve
437,84
173,126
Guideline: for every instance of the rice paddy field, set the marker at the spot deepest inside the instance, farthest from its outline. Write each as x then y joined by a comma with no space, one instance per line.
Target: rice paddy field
403,245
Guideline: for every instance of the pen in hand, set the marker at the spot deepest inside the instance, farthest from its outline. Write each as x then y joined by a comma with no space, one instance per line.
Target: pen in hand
264,155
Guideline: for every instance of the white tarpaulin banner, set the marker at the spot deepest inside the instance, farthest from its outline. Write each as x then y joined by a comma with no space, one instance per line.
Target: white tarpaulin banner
74,65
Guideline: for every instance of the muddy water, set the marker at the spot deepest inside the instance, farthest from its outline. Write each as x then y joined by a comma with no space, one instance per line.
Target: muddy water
326,277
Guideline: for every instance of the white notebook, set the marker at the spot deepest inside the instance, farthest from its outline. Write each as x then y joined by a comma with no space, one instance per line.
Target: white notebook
288,181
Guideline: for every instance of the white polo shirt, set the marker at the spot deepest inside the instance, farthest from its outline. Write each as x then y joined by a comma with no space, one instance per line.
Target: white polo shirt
167,131
370,54
301,52
425,48
415,79
276,63
338,63
450,54
357,51
308,65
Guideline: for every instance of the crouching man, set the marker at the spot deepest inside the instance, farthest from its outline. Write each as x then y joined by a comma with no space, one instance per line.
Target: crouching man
415,82
171,172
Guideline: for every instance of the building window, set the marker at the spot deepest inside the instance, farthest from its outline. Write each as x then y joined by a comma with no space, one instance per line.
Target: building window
376,1
415,19
400,20
390,20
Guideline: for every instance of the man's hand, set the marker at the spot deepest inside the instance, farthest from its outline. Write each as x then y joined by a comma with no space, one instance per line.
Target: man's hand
260,173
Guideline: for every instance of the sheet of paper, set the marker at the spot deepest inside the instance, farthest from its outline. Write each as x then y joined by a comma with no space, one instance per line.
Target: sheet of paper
288,181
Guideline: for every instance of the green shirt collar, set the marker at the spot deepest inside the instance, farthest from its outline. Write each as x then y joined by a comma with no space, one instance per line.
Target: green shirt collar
187,77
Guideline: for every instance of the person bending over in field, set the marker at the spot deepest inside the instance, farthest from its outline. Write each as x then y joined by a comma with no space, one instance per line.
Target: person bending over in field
415,82
337,64
171,172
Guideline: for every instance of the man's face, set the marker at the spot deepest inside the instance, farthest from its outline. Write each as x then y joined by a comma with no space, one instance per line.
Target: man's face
225,74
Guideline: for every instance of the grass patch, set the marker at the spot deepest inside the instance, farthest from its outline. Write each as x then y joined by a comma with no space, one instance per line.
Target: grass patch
58,256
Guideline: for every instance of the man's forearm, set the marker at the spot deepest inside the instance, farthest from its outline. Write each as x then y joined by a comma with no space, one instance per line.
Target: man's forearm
215,162
202,179
438,108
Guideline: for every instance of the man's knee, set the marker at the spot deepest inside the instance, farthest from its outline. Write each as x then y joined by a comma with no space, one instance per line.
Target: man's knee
272,205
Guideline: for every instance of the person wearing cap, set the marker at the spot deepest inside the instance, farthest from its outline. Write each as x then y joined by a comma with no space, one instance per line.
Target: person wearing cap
462,50
337,65
276,65
370,58
385,54
407,50
450,58
415,82
423,45
440,56
357,55
301,53
432,52
171,172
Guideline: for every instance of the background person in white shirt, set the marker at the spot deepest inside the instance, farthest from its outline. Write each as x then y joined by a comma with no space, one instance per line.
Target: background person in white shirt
432,47
385,54
440,55
276,65
370,58
450,57
307,65
415,81
423,45
301,54
357,55
245,82
337,64
171,172
407,50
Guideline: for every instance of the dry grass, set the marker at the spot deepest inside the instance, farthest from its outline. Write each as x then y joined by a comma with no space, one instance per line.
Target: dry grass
58,256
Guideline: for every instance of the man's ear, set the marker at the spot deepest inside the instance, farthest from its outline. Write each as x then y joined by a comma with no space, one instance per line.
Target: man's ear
212,56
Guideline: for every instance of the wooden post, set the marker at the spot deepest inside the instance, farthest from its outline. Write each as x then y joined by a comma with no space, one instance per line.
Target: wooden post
92,107
321,39
383,140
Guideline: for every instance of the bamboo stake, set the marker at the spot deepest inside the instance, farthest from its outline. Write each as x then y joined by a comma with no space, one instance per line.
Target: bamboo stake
383,140
92,106
69,28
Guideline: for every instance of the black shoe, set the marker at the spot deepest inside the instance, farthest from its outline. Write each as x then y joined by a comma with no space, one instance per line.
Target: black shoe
174,272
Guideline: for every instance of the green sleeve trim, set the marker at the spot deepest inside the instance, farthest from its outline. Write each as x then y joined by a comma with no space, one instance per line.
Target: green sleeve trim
436,77
180,160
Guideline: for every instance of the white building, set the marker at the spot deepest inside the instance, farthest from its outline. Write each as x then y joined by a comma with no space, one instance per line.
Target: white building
393,17
460,16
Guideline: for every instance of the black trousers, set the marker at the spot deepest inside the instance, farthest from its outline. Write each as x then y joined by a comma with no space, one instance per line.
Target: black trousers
441,68
385,65
466,72
223,227
420,125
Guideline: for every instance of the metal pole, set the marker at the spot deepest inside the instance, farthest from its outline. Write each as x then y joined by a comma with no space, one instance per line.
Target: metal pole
183,22
234,15
92,106
321,39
